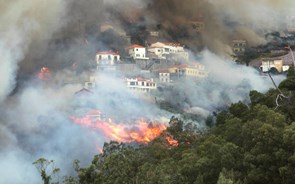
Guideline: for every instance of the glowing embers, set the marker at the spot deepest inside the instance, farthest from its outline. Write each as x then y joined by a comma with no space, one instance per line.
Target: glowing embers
44,74
140,131
171,141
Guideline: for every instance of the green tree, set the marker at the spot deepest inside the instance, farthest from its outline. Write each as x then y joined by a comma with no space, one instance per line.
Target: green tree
42,165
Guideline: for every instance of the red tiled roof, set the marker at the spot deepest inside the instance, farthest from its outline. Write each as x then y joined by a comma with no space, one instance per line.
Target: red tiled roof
164,71
108,53
135,46
140,79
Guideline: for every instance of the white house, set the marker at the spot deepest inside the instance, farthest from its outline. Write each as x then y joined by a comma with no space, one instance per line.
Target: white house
140,84
137,52
162,50
107,58
164,76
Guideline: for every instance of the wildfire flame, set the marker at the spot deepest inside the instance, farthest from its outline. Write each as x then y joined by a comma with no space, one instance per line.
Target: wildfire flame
141,131
44,74
172,141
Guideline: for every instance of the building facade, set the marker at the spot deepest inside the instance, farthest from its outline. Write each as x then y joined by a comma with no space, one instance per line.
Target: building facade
164,76
239,46
137,52
193,71
164,50
273,65
107,58
141,84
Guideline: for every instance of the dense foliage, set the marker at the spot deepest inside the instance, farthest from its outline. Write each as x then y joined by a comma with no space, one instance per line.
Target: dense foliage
250,143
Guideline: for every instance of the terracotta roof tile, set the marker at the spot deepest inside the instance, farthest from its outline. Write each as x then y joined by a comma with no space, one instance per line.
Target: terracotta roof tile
108,53
135,46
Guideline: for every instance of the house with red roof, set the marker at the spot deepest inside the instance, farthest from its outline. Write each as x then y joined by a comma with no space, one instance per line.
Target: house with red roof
137,52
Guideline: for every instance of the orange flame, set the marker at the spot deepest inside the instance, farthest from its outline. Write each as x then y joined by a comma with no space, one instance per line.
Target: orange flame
172,141
141,131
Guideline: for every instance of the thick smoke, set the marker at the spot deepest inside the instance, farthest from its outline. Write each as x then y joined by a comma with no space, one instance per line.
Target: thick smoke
23,24
224,20
226,83
34,121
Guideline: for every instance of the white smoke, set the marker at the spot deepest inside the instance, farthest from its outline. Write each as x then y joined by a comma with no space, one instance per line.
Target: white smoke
226,83
21,24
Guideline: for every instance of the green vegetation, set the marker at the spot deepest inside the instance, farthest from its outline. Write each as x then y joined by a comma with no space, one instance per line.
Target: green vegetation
249,144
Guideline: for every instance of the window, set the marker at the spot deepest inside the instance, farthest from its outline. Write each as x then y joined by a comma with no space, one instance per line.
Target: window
132,83
136,49
116,58
109,57
99,57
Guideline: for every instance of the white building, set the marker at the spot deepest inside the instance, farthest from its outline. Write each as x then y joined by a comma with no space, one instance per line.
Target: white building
162,50
107,58
137,52
196,71
140,84
164,76
275,65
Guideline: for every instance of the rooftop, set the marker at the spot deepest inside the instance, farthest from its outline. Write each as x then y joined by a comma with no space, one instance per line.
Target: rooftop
135,46
108,53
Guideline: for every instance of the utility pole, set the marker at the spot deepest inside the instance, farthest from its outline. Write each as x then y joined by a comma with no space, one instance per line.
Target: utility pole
288,47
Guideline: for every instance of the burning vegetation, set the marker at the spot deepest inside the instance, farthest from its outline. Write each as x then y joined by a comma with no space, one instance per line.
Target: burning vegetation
139,132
